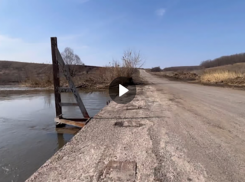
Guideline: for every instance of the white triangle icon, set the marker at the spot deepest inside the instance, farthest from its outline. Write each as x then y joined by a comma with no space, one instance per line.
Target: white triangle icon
122,90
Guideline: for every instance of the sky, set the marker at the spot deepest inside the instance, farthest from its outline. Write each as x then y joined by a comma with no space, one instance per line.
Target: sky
166,32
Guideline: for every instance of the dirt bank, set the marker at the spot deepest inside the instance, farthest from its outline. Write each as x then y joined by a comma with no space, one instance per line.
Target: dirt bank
40,75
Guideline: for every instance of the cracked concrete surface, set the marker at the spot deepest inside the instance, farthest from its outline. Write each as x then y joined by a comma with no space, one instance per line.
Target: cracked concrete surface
176,132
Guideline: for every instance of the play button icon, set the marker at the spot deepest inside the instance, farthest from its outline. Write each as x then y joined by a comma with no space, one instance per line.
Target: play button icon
122,90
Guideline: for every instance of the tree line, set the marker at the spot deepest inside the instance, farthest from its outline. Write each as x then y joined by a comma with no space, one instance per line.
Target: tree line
182,68
224,60
221,61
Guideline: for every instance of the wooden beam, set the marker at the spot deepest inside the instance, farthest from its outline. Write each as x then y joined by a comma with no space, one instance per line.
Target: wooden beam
56,77
69,122
66,130
77,119
71,84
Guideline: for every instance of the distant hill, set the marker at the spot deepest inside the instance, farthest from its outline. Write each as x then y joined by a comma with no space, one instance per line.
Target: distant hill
224,60
13,72
182,68
221,61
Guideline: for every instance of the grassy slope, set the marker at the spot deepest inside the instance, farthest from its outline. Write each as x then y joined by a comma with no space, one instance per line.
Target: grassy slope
12,72
40,75
229,75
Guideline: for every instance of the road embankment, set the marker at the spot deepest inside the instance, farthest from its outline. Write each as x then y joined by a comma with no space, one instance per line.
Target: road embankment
228,76
171,131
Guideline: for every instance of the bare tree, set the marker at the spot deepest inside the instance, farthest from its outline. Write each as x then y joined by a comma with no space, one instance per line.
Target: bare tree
72,61
131,60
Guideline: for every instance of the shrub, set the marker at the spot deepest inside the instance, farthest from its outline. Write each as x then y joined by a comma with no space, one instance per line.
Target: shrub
156,69
128,66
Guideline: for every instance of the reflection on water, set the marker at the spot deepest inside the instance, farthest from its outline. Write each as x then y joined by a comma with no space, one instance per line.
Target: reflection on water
61,140
14,87
28,135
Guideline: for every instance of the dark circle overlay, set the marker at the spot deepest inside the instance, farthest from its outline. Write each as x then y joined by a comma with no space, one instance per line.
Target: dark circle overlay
114,90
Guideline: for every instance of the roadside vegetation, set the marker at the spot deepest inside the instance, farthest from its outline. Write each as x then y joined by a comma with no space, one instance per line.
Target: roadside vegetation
84,76
156,69
233,75
220,77
225,70
126,67
43,78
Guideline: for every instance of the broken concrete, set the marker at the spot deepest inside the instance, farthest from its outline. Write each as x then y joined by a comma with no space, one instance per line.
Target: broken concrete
119,171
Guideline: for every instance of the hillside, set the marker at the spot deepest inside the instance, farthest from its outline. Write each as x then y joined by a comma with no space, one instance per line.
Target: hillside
41,75
226,75
221,61
13,72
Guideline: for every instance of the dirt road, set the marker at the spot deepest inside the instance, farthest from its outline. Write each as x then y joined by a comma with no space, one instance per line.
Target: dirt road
171,131
206,125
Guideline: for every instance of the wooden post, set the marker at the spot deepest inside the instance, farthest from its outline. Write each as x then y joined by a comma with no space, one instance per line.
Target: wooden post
56,76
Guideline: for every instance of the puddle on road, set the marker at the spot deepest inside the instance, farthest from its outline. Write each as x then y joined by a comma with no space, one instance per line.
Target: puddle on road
28,135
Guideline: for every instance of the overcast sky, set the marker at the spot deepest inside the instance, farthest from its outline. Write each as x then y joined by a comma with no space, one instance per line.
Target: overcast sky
167,32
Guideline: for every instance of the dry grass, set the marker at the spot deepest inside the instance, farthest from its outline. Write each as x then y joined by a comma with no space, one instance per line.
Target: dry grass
44,78
40,75
109,73
219,76
17,72
238,67
128,66
228,75
46,81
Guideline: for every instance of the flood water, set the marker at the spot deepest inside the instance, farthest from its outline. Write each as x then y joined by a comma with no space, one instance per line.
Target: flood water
28,135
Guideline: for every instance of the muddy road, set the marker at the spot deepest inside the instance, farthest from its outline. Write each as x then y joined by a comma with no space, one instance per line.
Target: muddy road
171,131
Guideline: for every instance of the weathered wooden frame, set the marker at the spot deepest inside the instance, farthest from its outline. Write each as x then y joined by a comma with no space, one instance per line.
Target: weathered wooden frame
58,63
